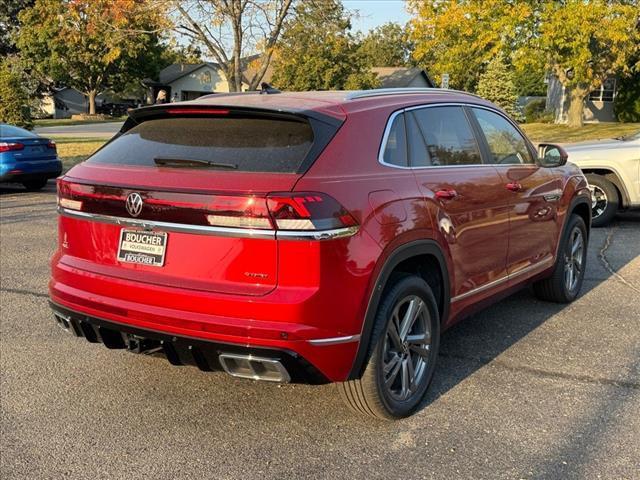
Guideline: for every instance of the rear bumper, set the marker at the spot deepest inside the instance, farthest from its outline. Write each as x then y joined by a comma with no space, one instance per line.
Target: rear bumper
30,170
283,321
180,350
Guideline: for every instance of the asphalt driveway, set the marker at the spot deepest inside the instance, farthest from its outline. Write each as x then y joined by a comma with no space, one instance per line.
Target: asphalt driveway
525,389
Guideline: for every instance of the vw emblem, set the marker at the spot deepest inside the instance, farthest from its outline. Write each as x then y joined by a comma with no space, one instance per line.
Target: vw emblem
134,204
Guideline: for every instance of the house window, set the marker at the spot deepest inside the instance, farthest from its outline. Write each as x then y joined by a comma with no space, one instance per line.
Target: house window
606,92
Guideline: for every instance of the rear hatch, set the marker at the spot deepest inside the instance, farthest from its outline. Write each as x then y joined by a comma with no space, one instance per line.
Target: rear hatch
186,196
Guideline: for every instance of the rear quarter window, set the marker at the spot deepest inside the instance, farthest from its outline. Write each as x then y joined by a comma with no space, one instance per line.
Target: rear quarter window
260,144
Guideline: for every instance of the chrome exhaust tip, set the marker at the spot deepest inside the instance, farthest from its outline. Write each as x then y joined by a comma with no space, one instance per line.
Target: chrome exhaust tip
255,368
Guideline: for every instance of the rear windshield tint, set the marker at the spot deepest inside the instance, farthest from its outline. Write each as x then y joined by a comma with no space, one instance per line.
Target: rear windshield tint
246,144
9,131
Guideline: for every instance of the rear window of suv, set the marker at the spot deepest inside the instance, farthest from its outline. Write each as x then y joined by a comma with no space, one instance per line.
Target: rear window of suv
248,144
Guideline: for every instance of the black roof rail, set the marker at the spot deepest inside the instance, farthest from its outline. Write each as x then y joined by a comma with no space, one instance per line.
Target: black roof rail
380,92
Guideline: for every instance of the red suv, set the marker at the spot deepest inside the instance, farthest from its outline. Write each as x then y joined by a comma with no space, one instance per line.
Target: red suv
313,237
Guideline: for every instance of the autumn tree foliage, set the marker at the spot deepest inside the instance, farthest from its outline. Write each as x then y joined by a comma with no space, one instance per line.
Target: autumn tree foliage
318,51
580,42
89,45
583,43
387,46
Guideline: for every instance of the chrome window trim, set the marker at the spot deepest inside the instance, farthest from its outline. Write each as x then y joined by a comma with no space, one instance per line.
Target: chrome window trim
211,230
392,117
501,280
334,340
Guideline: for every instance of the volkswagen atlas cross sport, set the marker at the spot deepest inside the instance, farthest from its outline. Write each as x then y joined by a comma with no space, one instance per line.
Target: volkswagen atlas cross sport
313,237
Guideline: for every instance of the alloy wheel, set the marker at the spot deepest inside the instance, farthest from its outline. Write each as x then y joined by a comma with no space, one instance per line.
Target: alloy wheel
574,259
406,348
599,201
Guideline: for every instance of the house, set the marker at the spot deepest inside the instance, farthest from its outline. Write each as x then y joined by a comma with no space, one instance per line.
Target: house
183,81
598,106
64,102
403,77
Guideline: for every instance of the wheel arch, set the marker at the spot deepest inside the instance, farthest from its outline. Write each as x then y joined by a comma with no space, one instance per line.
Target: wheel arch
411,257
614,177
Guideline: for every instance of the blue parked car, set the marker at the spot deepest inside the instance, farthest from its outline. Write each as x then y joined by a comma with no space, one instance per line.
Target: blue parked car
27,158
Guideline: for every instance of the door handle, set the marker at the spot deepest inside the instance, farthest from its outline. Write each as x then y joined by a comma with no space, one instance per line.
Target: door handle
513,186
446,194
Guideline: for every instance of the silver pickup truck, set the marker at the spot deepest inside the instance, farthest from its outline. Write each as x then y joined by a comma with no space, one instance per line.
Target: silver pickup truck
612,168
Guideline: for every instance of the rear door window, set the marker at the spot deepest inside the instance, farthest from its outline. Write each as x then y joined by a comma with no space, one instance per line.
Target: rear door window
442,136
253,144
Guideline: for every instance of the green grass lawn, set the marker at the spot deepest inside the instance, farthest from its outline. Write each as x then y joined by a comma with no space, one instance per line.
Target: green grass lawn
58,122
549,132
74,150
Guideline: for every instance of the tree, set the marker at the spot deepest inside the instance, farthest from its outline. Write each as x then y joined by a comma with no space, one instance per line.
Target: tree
241,27
460,37
496,85
627,102
14,97
9,22
318,52
529,80
583,43
387,46
580,42
89,45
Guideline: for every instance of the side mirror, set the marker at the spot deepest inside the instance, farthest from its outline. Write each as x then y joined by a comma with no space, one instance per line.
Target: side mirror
551,155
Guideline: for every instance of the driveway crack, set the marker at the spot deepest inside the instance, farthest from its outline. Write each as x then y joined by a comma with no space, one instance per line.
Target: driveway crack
602,256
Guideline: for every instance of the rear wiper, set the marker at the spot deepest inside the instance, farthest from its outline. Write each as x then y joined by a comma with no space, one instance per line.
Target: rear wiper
192,162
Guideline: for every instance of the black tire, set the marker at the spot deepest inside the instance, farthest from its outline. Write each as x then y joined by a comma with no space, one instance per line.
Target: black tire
556,287
369,395
35,185
606,200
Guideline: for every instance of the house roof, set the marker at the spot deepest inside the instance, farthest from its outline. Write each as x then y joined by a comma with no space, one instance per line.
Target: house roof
399,77
177,70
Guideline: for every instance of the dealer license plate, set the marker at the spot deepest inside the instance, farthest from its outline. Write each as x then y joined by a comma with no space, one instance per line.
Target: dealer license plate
138,246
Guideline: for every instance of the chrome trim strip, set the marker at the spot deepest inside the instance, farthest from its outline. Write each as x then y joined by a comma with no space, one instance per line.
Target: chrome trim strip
334,340
210,230
501,280
316,234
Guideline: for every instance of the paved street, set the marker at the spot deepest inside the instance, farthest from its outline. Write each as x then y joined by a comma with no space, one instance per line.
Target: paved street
88,130
524,390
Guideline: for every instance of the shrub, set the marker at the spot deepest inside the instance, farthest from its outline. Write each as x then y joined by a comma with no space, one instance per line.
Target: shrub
534,111
14,98
627,103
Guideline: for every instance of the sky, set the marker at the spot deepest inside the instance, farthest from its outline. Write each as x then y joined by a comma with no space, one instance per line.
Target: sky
374,13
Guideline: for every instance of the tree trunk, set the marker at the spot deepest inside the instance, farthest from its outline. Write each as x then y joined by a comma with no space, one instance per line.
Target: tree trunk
92,102
575,114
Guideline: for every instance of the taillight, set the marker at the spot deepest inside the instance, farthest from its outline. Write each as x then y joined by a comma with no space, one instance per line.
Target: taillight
51,145
10,146
312,212
239,212
308,211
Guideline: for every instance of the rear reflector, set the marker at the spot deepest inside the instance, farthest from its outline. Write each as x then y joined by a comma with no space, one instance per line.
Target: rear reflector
10,146
68,203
